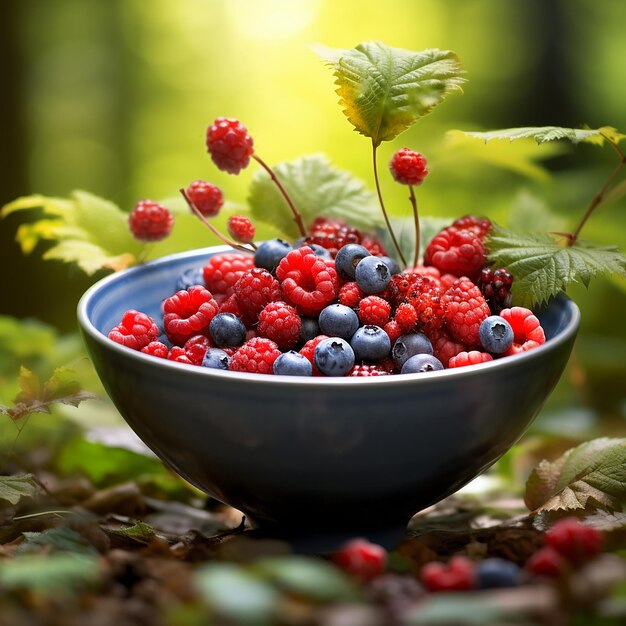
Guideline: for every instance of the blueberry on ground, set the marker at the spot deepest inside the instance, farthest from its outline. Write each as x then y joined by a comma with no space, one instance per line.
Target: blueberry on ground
347,259
189,278
334,357
270,253
496,334
370,343
372,275
292,363
216,359
407,346
495,573
421,363
338,320
227,330
309,329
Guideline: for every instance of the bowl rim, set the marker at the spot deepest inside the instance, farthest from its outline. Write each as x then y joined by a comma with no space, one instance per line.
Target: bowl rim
88,327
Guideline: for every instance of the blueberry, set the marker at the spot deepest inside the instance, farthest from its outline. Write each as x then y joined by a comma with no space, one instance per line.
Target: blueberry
299,242
372,275
494,573
496,334
334,356
216,359
189,278
421,363
370,343
227,329
409,345
270,253
393,266
347,259
309,329
338,320
292,363
320,251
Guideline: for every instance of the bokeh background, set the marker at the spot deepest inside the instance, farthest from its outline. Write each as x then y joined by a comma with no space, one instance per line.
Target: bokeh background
114,96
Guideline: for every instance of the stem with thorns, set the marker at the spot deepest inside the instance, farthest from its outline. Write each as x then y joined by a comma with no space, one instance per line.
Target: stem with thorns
382,206
416,219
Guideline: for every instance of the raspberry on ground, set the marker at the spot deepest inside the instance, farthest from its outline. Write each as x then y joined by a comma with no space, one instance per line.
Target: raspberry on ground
136,330
206,197
457,575
526,327
367,370
156,348
240,228
308,350
393,329
547,562
480,225
256,356
350,294
574,541
374,310
458,252
229,145
150,221
361,558
281,323
444,346
408,167
373,246
473,357
188,313
405,316
195,348
464,310
222,271
256,288
332,234
307,281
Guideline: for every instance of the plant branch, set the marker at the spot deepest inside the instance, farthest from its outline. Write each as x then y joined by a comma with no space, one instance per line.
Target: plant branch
416,219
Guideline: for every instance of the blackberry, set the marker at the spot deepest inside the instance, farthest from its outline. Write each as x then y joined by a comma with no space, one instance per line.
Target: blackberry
496,287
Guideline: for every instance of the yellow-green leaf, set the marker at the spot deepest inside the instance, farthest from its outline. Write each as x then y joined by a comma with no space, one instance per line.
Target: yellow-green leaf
14,488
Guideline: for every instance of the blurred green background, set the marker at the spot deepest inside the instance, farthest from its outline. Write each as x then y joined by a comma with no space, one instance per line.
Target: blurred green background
114,96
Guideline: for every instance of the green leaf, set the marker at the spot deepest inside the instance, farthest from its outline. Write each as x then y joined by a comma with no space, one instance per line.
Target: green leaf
542,266
139,531
459,609
384,90
58,539
542,134
589,476
14,488
316,188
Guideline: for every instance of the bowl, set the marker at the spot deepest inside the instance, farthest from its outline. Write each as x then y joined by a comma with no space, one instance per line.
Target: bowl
317,456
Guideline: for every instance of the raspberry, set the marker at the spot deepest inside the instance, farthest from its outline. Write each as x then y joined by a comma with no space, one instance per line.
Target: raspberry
527,328
195,348
574,541
464,310
281,323
444,347
156,348
308,350
136,330
307,281
447,280
207,198
222,271
473,357
547,562
423,294
480,225
256,356
374,310
240,228
458,575
332,234
392,328
373,246
496,287
179,355
426,270
350,294
364,369
459,252
256,288
150,221
361,558
230,305
188,313
229,145
406,316
408,167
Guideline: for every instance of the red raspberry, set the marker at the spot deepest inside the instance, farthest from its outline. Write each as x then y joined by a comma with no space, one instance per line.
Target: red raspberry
444,347
408,167
422,293
308,349
361,558
458,575
256,288
526,327
373,246
350,294
188,313
574,541
464,310
150,221
281,323
547,562
426,270
332,234
406,317
307,281
364,369
459,252
222,271
231,305
196,347
374,310
240,228
229,145
447,280
480,225
136,330
473,357
179,355
206,197
392,328
156,348
256,356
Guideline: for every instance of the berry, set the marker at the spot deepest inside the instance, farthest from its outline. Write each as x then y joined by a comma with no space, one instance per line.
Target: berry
347,259
195,348
215,358
393,266
136,330
421,363
229,145
458,575
447,280
464,311
188,313
256,356
459,252
189,278
423,294
361,558
473,357
240,228
375,248
156,348
308,282
370,343
332,234
526,328
547,562
406,316
230,305
408,167
256,288
309,329
392,328
480,225
496,287
368,370
308,350
333,357
292,364
281,323
270,253
338,320
444,347
206,197
150,221
496,334
179,355
350,294
227,330
574,541
372,275
497,573
407,346
222,271
374,310
319,251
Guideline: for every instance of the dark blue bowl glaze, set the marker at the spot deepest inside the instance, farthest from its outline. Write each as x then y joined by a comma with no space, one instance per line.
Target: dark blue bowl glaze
317,454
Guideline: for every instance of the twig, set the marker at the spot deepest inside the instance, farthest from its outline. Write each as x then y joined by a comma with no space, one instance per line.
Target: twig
416,219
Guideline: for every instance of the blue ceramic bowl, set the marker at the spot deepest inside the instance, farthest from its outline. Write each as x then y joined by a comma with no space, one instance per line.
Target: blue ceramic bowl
320,455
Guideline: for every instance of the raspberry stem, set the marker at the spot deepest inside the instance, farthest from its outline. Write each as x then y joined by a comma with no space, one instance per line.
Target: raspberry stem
382,206
416,219
296,214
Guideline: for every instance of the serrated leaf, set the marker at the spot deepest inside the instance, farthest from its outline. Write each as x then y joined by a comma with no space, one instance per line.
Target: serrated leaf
14,488
589,476
542,134
316,188
29,386
57,539
385,90
542,266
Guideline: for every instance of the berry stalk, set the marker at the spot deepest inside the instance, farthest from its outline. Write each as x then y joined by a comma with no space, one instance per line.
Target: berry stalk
416,219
